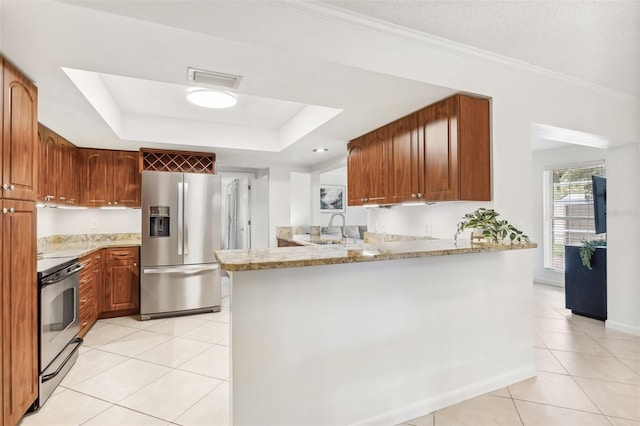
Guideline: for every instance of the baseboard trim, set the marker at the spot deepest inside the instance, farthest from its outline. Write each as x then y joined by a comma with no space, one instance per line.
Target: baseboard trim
614,325
548,282
438,402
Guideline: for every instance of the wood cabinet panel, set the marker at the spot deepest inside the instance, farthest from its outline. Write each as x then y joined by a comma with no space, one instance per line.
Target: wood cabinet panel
67,188
367,179
110,178
96,177
440,153
49,165
86,305
375,167
98,279
20,134
355,177
439,162
404,156
474,141
121,281
19,309
126,179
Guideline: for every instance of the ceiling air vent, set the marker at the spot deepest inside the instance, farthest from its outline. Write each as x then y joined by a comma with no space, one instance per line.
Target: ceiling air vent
214,78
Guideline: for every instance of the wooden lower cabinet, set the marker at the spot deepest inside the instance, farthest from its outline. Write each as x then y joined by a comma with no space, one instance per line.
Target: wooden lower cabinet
121,282
109,285
19,310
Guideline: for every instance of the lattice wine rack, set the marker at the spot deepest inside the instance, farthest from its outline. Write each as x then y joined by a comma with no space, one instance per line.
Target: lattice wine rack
177,161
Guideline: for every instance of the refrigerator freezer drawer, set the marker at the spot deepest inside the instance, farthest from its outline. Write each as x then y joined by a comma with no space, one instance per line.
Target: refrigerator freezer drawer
174,290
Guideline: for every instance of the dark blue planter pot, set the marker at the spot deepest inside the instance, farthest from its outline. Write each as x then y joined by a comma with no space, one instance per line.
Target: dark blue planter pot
586,290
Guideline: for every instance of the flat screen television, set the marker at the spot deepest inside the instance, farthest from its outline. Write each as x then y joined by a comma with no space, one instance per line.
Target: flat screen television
600,203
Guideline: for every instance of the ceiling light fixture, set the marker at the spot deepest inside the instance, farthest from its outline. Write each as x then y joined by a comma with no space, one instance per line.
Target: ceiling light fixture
320,150
212,99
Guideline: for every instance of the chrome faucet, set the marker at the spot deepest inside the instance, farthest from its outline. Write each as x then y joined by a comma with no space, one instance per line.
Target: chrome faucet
344,221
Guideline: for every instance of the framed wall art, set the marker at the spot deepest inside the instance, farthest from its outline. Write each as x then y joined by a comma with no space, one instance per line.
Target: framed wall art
332,199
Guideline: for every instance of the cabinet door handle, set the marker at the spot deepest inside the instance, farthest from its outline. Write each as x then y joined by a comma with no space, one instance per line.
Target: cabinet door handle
115,202
120,254
85,323
4,210
135,264
83,300
413,195
420,194
12,210
11,187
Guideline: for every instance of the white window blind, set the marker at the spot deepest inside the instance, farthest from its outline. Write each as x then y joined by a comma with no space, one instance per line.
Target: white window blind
568,210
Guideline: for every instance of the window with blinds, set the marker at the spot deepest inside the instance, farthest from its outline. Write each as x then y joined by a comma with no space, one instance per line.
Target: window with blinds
568,210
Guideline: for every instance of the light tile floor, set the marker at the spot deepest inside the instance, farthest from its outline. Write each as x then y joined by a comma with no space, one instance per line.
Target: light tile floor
587,375
175,371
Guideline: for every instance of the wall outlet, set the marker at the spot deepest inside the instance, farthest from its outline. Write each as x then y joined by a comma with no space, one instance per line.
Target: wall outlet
94,224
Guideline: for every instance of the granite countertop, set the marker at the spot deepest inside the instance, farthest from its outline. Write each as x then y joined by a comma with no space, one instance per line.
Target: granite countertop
317,255
80,250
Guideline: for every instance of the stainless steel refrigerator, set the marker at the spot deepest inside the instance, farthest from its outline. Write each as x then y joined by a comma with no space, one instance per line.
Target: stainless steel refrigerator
181,228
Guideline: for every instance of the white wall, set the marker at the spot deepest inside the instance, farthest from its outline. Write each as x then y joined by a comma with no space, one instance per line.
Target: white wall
300,199
279,201
544,160
260,210
623,234
54,221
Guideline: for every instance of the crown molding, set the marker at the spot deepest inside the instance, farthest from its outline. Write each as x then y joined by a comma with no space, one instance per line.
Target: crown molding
354,19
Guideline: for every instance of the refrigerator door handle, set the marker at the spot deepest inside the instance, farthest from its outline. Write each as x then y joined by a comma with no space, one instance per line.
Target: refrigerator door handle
186,222
182,269
180,217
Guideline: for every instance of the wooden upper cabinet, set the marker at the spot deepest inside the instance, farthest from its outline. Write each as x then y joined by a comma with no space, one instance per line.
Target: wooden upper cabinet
19,135
439,159
97,184
375,167
366,164
126,179
440,153
68,183
474,148
110,178
403,160
355,166
49,165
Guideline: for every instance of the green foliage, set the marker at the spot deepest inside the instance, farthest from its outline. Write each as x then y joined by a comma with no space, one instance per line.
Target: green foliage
495,230
587,250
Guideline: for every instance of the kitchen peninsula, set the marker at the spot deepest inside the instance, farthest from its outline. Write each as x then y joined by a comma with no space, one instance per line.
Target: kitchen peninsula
374,333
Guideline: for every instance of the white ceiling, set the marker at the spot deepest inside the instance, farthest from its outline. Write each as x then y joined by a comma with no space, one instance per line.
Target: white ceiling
133,58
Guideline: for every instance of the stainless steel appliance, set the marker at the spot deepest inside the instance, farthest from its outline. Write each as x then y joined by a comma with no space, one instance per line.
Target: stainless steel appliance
180,233
58,280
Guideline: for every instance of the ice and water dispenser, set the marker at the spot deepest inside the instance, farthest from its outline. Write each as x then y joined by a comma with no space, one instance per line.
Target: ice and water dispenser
159,221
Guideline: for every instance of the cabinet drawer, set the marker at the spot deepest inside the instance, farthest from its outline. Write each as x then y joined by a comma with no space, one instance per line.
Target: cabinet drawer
86,280
127,253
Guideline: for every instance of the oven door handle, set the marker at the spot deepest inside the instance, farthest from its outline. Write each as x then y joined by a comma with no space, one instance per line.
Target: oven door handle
50,376
75,270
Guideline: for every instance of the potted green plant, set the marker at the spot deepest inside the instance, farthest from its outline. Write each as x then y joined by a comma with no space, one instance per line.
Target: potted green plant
486,224
587,250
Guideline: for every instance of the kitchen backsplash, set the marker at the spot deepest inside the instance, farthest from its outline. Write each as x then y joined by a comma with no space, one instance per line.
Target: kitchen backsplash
83,240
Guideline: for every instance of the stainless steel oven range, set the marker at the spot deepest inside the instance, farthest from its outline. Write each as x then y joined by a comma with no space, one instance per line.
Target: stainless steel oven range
58,281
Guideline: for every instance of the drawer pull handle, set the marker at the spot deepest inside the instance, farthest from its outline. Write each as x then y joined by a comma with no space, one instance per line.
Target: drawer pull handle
83,300
120,254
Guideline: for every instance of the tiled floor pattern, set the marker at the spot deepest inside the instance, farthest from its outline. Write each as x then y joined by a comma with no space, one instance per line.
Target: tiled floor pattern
175,371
